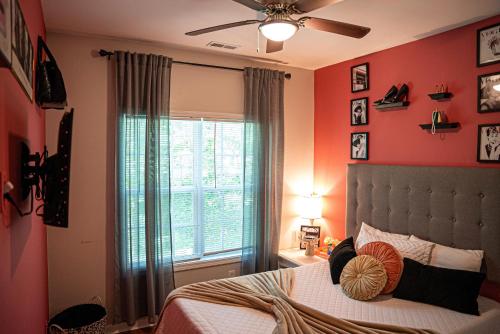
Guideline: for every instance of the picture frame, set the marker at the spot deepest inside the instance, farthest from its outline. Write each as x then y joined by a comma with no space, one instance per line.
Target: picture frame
488,93
359,146
488,143
488,45
311,232
360,78
5,33
22,61
359,111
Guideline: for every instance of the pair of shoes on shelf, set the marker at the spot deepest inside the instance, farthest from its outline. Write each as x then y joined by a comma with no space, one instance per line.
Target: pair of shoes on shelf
394,95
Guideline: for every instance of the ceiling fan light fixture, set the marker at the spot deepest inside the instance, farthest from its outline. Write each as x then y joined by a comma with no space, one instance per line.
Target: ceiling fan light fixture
278,31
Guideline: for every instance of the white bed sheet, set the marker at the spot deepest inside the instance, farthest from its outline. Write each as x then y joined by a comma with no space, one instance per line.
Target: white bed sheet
313,287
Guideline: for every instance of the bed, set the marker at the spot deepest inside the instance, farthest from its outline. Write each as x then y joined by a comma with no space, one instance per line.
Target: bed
457,207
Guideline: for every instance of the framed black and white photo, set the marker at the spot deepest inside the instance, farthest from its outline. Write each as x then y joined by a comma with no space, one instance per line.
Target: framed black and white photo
359,145
488,92
488,143
22,51
359,111
359,78
488,45
5,33
310,232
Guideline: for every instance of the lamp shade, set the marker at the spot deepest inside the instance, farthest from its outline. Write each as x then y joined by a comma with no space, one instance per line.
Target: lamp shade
278,30
311,207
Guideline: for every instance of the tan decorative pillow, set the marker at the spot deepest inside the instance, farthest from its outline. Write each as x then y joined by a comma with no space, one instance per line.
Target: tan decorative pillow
363,277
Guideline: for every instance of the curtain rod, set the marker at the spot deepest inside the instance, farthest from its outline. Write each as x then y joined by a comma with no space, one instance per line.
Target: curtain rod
106,53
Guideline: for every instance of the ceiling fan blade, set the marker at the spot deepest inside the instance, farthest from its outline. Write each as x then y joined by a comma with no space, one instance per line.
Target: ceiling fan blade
221,27
305,6
273,46
336,27
252,4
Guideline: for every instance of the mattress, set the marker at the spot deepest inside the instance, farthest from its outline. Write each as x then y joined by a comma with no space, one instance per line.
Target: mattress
313,287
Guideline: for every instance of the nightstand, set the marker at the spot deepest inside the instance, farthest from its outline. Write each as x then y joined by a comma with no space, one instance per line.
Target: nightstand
294,257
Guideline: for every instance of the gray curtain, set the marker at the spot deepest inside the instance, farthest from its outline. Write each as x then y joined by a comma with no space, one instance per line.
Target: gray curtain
263,169
143,265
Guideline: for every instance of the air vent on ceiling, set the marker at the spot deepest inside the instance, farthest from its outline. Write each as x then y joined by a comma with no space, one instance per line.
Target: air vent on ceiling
221,45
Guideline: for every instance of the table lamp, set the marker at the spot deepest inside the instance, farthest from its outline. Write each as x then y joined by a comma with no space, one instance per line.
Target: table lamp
311,208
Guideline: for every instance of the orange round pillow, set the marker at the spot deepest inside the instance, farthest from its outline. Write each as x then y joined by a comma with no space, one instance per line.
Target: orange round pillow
390,258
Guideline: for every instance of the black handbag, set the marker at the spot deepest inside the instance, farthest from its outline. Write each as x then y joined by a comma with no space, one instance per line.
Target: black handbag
50,92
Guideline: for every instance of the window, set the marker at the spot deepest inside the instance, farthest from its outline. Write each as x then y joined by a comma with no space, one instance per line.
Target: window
206,177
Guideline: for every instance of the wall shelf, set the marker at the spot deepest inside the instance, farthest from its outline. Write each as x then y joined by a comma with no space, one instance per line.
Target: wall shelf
441,96
441,126
389,106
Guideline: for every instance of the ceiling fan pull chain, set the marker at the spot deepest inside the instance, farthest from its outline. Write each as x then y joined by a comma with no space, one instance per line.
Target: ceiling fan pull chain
258,41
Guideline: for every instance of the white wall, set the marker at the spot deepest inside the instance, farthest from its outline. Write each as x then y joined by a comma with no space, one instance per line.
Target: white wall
78,256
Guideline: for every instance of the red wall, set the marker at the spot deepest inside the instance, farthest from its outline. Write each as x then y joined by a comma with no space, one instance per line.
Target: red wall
23,245
394,136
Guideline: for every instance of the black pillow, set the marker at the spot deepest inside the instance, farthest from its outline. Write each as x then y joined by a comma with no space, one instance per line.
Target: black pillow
453,289
341,254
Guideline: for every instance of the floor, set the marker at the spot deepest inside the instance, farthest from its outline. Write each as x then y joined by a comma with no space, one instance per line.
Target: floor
146,330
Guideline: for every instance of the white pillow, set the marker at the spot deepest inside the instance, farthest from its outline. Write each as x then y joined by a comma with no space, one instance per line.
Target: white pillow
413,249
454,258
368,234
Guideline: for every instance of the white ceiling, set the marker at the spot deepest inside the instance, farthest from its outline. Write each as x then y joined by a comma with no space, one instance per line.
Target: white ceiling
393,22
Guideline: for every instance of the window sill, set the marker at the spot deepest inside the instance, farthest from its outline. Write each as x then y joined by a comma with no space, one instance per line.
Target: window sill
209,261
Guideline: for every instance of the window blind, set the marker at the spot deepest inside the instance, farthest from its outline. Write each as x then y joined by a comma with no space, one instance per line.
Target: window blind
206,177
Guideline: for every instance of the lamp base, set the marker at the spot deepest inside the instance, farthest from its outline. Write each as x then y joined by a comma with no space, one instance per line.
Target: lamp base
309,249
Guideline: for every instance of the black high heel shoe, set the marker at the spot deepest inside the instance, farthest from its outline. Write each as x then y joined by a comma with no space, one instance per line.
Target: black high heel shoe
388,96
402,95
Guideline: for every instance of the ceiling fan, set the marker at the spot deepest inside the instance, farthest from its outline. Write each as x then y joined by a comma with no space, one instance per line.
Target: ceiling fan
278,26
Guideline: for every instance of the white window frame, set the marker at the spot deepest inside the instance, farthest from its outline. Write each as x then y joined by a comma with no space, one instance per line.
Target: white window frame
202,259
198,190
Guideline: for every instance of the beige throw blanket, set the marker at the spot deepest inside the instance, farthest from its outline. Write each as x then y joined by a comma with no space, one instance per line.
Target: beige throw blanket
269,292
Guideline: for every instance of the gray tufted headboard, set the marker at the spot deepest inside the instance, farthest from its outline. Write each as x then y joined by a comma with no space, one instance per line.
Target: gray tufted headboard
453,206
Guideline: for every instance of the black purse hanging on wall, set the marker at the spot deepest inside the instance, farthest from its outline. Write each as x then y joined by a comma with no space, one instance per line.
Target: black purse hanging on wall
50,92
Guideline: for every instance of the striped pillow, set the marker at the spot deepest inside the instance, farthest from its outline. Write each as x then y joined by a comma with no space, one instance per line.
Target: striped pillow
413,249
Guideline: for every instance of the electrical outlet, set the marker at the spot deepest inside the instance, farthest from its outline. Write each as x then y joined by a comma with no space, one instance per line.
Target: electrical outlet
4,212
231,273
